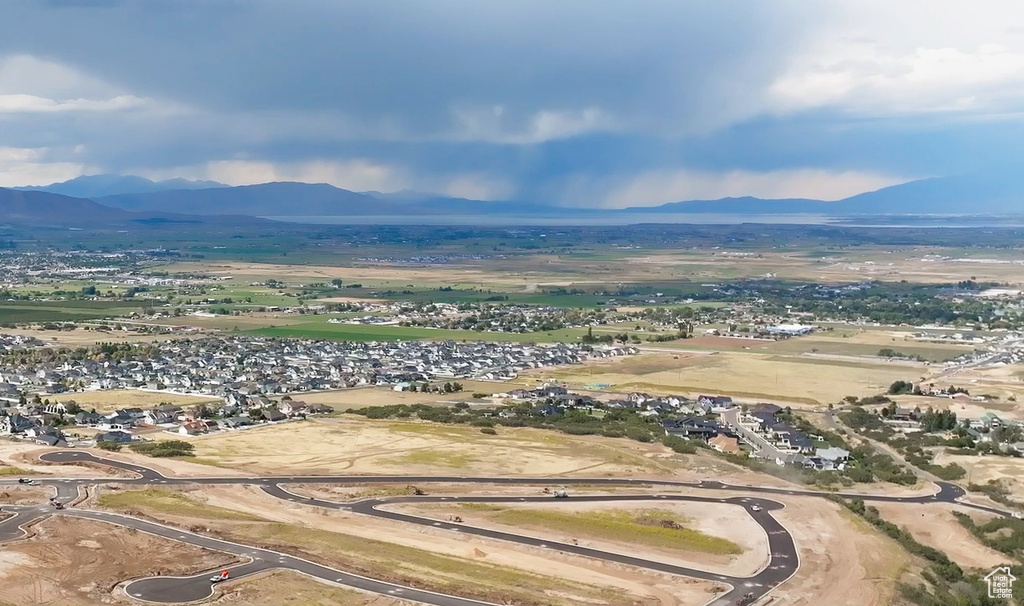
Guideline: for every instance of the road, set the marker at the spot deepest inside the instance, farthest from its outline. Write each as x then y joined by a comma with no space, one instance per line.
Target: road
783,560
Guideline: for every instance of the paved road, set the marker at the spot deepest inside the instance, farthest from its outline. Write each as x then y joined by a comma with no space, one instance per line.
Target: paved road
782,564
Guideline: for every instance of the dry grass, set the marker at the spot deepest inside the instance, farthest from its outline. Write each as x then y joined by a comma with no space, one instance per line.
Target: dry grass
434,571
640,527
357,445
110,400
755,376
169,503
283,588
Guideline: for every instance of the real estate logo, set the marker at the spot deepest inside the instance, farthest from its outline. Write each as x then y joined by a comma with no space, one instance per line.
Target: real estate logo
1000,583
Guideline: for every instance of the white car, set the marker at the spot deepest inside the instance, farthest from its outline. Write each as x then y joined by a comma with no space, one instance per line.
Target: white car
217,578
755,508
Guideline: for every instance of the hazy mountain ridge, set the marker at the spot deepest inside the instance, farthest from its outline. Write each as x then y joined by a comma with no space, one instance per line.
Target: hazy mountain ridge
963,194
45,209
94,186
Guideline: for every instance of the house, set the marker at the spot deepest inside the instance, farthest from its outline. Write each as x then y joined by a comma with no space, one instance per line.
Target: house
235,422
765,408
118,437
274,414
715,403
52,437
725,444
87,418
56,408
15,424
191,428
832,458
547,410
692,428
788,439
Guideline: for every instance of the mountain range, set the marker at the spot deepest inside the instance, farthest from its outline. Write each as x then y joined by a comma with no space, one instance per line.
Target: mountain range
112,198
94,186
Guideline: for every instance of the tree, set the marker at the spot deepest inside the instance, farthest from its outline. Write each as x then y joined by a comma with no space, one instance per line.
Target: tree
108,445
336,282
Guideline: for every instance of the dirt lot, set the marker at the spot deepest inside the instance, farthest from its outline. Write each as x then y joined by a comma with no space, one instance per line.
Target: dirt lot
980,470
17,458
112,399
935,526
24,495
745,375
78,562
81,338
357,445
843,561
717,520
316,532
284,588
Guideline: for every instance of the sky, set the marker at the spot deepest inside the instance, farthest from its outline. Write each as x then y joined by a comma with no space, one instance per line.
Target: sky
578,103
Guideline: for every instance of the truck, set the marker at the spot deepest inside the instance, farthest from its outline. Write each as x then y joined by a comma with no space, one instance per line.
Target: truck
223,576
561,493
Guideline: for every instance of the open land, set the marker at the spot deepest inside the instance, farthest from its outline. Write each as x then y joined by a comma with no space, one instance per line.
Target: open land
434,559
753,376
79,562
109,400
354,445
711,536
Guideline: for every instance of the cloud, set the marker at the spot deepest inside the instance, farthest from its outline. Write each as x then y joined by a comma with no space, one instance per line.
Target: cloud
580,101
26,166
659,187
13,104
493,124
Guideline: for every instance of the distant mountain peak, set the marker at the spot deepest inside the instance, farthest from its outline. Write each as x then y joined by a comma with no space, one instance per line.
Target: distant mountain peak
96,186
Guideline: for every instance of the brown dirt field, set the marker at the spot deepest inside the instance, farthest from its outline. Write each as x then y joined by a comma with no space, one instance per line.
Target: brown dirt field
357,445
718,520
935,526
980,470
843,561
745,375
78,562
24,455
111,399
285,588
24,495
81,338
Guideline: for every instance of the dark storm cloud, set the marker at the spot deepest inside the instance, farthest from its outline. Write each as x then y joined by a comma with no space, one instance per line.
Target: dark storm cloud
527,92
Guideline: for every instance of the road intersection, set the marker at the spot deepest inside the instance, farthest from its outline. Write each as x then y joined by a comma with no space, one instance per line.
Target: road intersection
783,560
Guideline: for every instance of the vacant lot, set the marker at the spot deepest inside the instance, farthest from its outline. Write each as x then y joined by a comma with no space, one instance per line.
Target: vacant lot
76,562
843,560
321,329
357,445
112,399
712,536
935,526
283,588
1009,471
433,558
745,375
168,502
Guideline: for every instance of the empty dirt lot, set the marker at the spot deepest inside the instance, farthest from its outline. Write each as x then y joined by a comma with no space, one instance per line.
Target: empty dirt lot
76,562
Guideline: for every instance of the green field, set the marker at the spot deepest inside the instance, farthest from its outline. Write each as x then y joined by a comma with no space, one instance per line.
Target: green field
17,312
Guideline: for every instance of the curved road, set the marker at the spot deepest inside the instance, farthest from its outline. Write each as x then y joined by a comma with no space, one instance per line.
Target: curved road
782,563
